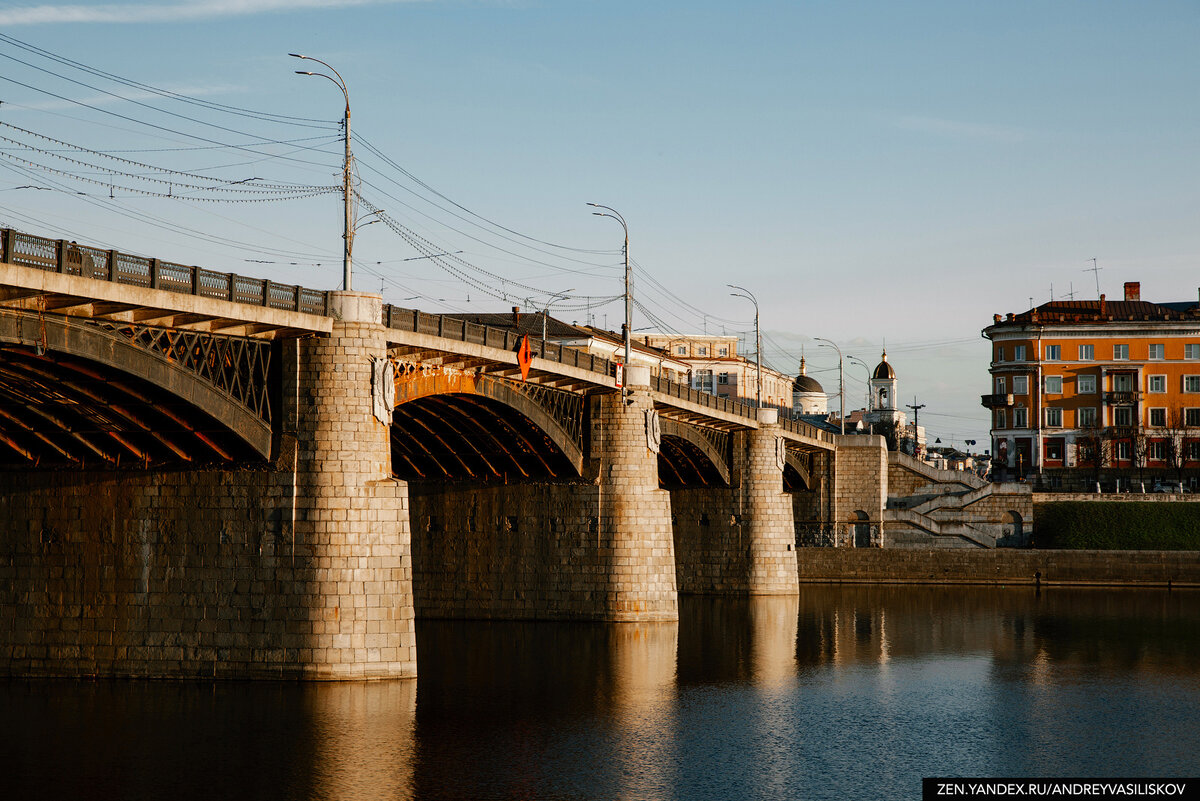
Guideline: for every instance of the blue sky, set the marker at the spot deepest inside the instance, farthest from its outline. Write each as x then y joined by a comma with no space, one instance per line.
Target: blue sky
873,172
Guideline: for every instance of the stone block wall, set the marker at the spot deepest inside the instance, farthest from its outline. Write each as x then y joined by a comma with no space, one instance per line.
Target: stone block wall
712,548
509,552
1002,566
861,484
771,530
164,574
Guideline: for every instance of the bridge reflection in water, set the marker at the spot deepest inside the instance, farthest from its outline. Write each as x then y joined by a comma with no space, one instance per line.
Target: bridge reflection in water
840,692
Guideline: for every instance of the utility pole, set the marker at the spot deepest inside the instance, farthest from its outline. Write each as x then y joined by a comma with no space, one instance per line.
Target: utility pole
916,410
347,170
628,293
841,382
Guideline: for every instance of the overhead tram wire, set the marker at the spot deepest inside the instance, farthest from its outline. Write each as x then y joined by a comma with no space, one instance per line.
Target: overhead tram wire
396,166
166,93
461,268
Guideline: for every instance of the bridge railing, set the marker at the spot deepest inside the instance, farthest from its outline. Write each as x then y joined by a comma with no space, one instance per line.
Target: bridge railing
454,328
70,258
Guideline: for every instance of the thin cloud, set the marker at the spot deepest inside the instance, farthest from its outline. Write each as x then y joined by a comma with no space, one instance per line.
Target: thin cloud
176,12
961,130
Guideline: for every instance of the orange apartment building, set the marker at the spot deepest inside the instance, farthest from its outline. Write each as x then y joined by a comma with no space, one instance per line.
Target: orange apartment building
1097,391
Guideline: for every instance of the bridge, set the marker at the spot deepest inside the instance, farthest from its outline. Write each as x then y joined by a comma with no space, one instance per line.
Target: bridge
234,475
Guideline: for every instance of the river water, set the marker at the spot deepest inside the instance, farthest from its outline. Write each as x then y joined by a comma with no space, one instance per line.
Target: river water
843,692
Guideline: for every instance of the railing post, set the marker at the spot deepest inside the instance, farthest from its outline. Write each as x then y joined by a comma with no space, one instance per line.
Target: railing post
232,281
441,324
5,245
296,298
154,276
266,292
60,254
195,280
112,266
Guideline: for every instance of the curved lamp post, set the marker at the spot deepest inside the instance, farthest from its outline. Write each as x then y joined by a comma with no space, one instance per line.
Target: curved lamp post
556,296
348,232
613,213
866,367
748,295
841,383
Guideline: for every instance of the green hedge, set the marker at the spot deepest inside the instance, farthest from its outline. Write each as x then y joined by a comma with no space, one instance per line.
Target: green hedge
1110,526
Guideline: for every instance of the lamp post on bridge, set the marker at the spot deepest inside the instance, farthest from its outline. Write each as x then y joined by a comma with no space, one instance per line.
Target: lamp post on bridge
841,383
748,295
556,296
348,231
611,212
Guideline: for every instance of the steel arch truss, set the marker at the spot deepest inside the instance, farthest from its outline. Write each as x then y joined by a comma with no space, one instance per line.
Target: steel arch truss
75,394
798,470
452,424
693,456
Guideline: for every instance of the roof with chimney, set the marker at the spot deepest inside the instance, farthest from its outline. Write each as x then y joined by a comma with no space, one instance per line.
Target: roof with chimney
1131,308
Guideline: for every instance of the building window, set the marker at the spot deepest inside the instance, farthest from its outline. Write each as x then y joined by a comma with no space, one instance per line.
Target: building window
1193,450
999,354
1053,417
1053,353
1156,351
1001,419
1085,384
1156,383
1121,353
1191,351
1191,417
1054,451
1122,382
1123,450
1021,384
1123,416
1018,353
1158,418
1157,450
1054,385
681,350
702,350
1191,383
723,378
703,380
1085,417
1020,418
1087,353
1000,385
723,352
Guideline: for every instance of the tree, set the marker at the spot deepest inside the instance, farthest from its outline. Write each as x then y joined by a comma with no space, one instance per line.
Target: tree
1092,442
890,431
1176,434
1139,445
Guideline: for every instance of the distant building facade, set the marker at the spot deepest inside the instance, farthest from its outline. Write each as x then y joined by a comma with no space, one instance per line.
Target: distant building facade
1086,392
717,368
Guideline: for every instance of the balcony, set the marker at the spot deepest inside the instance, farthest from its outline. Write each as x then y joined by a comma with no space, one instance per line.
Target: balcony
1122,398
996,401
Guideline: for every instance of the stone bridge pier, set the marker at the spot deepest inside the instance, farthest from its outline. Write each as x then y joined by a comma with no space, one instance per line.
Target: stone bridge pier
352,525
739,539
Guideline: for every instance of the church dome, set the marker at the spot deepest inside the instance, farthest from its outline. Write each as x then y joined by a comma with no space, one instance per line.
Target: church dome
806,383
884,370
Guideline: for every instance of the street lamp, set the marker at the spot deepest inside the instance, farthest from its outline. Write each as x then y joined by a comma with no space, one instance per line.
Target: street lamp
348,231
556,296
628,327
870,397
841,383
748,295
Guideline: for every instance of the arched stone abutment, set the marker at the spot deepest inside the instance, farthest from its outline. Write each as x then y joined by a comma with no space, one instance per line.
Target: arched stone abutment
82,394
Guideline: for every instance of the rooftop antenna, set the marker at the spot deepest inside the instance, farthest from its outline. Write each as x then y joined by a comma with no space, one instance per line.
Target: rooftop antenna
1071,294
1096,271
1051,291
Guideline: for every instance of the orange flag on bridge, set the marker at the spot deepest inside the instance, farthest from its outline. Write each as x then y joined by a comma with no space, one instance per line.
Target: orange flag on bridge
524,358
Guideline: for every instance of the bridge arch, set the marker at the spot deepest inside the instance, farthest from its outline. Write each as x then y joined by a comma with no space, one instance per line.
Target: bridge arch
79,393
793,463
688,457
456,424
